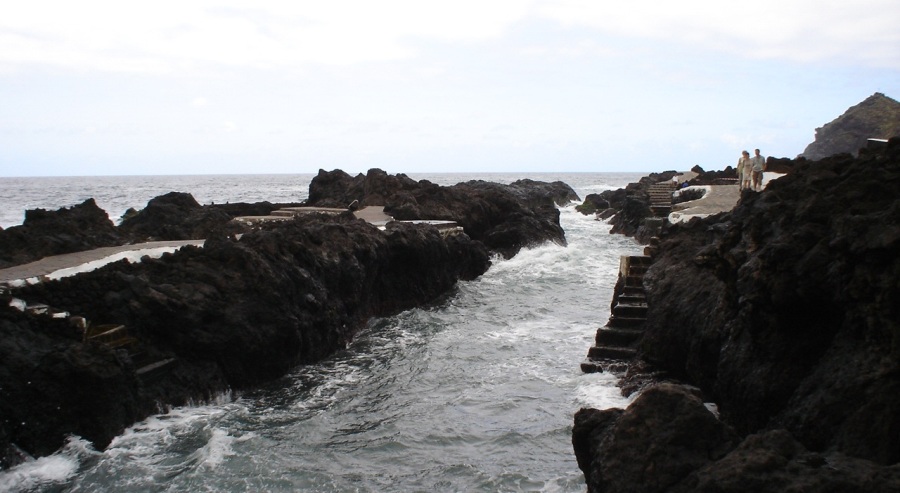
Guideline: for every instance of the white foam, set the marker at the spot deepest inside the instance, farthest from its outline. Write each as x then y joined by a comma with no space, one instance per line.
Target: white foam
599,391
30,475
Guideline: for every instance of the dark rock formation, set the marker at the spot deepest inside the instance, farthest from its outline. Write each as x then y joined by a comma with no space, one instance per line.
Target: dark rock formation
229,315
724,177
505,217
784,312
632,203
664,436
234,313
877,117
173,216
44,233
593,203
178,216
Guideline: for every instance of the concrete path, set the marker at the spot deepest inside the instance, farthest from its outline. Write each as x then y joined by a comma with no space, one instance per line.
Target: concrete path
718,198
49,265
101,256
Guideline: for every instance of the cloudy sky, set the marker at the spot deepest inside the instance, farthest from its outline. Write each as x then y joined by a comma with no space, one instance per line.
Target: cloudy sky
207,87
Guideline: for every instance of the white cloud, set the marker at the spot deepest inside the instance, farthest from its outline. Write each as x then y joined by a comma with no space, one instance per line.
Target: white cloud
797,30
173,36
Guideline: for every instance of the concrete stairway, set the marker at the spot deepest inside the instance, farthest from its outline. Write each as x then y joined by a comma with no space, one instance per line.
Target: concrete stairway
661,198
617,340
113,336
117,336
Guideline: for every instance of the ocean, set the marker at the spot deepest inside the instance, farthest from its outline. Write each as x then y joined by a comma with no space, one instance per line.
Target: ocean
474,392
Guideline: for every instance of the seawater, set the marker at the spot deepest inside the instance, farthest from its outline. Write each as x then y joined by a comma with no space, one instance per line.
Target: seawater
474,392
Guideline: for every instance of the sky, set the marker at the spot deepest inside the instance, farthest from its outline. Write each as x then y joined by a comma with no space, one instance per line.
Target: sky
94,88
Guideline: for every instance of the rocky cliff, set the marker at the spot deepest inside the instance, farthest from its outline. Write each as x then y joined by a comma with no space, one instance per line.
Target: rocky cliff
784,314
877,117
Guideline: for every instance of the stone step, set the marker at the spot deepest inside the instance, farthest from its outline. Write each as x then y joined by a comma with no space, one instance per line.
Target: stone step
633,299
633,290
620,322
589,366
639,260
637,270
634,281
630,310
611,352
105,332
155,369
614,336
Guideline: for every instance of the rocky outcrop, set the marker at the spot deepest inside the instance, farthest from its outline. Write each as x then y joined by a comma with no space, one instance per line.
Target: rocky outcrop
226,316
628,208
236,312
44,233
173,216
506,218
877,117
178,216
783,312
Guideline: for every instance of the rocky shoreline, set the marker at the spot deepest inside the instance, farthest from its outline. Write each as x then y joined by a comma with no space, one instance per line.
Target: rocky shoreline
245,308
773,339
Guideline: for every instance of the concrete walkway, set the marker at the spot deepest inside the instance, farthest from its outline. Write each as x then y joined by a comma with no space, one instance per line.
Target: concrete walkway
98,257
104,255
718,198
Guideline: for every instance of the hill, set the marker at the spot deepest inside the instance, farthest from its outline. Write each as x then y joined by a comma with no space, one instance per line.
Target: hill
878,117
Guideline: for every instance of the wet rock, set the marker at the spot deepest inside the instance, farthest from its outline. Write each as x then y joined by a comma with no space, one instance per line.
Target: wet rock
654,444
783,312
230,315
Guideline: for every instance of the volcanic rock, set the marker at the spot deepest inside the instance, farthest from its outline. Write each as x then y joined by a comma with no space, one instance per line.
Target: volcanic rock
230,315
69,229
877,117
783,312
505,218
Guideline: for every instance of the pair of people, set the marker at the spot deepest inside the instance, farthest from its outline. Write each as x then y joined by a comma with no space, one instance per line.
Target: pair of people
750,170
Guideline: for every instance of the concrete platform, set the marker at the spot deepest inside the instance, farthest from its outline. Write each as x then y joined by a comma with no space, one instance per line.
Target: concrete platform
49,265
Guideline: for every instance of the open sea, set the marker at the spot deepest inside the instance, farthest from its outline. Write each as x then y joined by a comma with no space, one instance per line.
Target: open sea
475,392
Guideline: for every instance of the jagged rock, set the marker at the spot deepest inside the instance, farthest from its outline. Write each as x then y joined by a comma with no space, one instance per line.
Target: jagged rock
178,216
232,314
69,229
593,203
878,116
628,207
659,440
505,217
783,312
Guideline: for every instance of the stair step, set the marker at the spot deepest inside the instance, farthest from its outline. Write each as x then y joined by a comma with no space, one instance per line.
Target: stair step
633,299
611,352
283,213
155,368
121,342
633,290
639,260
630,310
588,366
634,281
620,322
615,336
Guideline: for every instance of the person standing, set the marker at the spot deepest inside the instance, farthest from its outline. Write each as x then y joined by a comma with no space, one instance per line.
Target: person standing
757,165
743,170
